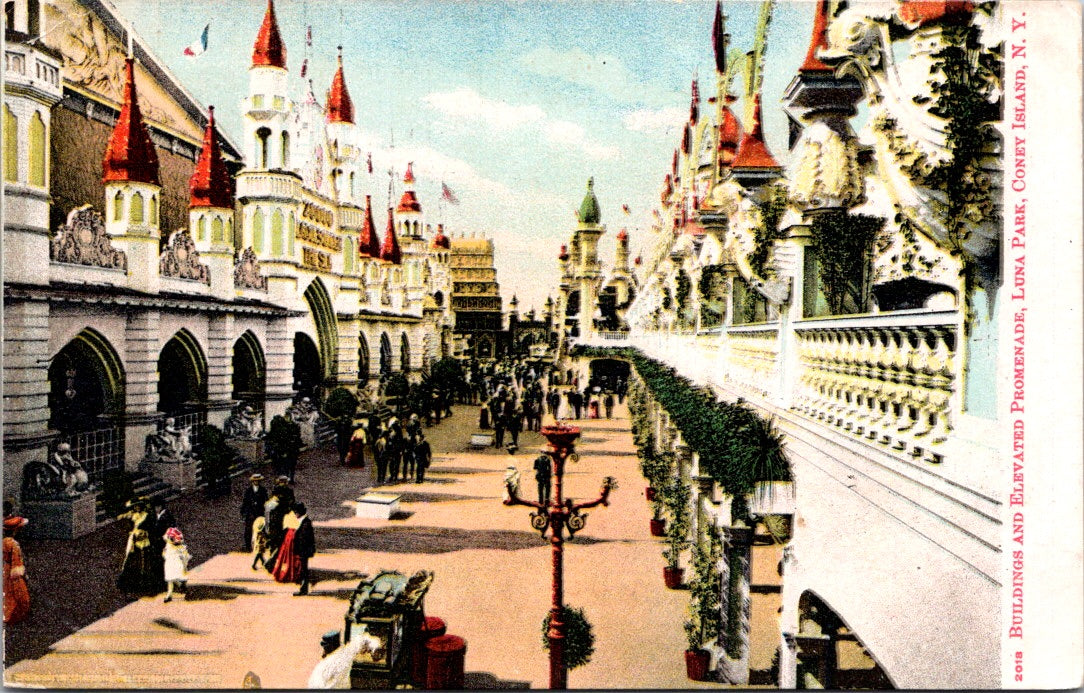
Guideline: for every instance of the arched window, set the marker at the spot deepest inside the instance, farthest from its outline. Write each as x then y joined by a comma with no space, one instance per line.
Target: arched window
11,146
37,150
348,256
262,135
257,231
118,207
201,228
276,233
292,233
218,231
135,211
153,216
285,149
353,194
229,231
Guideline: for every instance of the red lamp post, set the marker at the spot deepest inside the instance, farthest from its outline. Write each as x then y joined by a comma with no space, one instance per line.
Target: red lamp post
561,514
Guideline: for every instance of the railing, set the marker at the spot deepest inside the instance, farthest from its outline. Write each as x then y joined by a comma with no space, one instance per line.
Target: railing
753,365
266,185
886,379
99,451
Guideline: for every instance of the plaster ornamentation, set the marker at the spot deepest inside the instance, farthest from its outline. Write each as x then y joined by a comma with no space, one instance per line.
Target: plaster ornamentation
826,172
246,272
180,259
84,241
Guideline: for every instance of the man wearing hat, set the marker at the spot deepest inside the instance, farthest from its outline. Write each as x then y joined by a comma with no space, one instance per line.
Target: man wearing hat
304,545
252,506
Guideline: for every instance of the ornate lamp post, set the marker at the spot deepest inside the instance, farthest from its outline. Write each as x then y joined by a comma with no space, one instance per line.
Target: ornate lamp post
561,514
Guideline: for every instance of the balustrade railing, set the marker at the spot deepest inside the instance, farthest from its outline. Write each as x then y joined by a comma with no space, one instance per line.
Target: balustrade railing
886,379
754,359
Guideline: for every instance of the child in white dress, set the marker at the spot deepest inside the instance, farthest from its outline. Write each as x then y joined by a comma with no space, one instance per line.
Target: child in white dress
175,556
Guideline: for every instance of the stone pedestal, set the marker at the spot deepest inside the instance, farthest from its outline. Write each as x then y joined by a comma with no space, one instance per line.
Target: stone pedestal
179,475
65,518
251,449
377,505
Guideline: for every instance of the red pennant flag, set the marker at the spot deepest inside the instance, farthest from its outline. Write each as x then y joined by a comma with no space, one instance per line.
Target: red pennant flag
447,194
370,163
625,209
718,38
304,67
308,36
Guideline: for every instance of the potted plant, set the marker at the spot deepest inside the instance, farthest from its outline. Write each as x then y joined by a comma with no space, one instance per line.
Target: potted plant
705,619
676,497
657,523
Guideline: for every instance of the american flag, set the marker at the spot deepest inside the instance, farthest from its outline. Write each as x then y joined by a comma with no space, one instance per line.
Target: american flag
304,67
308,36
447,194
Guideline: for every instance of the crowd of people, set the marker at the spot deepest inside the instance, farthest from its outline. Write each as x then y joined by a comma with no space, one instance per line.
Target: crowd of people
278,531
155,556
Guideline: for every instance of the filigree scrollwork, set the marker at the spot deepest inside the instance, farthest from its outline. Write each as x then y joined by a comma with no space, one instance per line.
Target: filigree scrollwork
540,521
84,241
246,272
180,259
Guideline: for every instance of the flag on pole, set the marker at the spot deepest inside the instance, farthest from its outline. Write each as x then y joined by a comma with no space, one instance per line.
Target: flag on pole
304,68
308,36
625,209
447,194
198,47
370,163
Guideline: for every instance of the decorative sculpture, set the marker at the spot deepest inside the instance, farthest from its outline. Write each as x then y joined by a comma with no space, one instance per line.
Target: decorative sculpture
59,476
244,422
171,444
305,415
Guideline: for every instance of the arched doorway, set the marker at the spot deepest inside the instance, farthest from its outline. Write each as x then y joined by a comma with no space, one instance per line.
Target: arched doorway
608,373
86,402
363,360
249,370
308,373
327,328
385,355
829,653
182,383
404,353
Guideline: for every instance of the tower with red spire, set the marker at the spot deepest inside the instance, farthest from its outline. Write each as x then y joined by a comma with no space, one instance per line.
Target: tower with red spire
343,152
753,164
132,189
266,135
210,211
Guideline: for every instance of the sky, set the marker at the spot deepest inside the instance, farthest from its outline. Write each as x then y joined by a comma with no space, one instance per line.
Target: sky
513,105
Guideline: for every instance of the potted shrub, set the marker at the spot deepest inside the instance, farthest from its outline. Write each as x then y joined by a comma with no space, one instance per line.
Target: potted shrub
657,523
705,619
676,497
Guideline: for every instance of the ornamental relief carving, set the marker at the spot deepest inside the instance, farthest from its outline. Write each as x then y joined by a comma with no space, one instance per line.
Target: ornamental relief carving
83,241
826,172
180,259
246,272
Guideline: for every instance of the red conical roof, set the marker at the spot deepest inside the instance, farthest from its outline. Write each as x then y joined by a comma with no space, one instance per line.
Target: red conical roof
563,255
269,49
340,109
440,241
390,250
623,235
730,134
409,201
719,38
408,177
923,12
368,241
130,155
818,41
210,183
753,153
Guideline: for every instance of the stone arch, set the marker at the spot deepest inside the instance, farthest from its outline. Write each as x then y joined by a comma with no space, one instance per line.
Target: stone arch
829,653
404,353
363,359
263,137
86,383
249,368
182,374
385,354
327,328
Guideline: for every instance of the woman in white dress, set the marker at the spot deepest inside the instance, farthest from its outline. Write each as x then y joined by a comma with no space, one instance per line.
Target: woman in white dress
175,557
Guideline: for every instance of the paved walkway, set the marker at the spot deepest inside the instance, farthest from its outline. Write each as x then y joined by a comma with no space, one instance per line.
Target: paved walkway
492,583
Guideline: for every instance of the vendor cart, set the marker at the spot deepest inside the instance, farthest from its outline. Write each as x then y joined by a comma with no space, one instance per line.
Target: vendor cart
389,608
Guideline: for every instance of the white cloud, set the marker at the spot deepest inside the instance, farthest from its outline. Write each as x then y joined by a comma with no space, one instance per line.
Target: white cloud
468,104
603,73
663,121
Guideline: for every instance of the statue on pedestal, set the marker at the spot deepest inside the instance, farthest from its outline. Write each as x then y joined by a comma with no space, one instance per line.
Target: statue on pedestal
305,415
244,422
171,444
59,476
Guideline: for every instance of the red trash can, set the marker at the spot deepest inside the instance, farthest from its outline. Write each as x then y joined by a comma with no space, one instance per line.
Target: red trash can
432,627
444,670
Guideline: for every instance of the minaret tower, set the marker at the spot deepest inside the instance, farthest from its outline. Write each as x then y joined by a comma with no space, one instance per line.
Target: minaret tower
132,190
266,136
341,137
210,212
587,269
409,211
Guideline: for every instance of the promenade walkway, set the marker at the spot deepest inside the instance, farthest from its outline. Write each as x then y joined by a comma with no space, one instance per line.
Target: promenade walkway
492,583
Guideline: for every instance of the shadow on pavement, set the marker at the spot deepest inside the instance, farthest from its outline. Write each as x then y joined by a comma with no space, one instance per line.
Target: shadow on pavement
485,681
460,470
431,539
422,497
199,593
173,625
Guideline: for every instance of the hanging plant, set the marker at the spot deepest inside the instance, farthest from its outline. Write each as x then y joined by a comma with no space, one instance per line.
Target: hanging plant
842,243
667,299
767,231
711,287
579,638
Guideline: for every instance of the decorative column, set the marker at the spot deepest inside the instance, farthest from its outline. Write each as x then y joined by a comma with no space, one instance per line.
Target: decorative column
280,369
26,389
141,346
219,368
738,542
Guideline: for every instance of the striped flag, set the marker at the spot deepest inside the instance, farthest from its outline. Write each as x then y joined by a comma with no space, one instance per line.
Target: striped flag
198,47
308,36
370,163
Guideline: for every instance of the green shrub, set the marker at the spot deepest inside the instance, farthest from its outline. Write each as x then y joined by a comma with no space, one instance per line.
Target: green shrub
579,638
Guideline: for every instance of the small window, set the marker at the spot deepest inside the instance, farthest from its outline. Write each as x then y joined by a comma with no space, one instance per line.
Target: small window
11,146
276,233
135,212
257,101
348,256
278,103
37,150
257,231
292,233
218,231
285,141
201,229
153,218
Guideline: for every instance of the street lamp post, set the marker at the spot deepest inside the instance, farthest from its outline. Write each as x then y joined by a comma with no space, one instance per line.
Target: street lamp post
560,515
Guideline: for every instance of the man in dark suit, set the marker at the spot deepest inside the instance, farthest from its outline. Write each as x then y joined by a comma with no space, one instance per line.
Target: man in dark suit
423,456
252,506
304,546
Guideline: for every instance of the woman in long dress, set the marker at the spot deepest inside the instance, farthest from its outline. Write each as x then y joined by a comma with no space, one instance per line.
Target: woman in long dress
16,594
288,564
141,572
